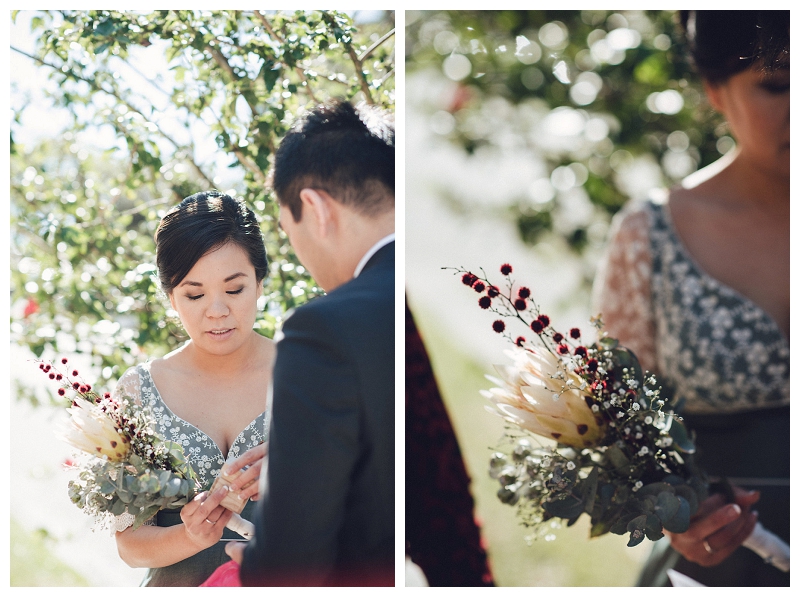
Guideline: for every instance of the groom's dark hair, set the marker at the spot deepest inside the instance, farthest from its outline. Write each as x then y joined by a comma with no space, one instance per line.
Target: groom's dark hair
345,151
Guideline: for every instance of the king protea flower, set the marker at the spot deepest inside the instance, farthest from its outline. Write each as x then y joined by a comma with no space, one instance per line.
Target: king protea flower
546,399
91,430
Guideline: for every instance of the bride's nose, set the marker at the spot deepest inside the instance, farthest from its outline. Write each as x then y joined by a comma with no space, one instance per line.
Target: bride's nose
217,308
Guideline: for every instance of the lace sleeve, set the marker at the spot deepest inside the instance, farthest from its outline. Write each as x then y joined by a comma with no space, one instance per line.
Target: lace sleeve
129,386
622,287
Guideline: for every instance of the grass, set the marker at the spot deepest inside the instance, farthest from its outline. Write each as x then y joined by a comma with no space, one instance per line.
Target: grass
34,565
572,559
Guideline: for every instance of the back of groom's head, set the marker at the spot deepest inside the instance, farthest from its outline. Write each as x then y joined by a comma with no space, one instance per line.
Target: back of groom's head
345,151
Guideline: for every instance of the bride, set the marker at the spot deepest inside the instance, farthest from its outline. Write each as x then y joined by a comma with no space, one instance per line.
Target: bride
697,284
210,394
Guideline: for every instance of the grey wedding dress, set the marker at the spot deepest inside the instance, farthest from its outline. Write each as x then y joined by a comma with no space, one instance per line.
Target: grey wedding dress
206,458
725,363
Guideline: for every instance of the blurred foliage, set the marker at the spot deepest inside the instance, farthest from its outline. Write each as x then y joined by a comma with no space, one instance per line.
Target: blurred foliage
605,103
83,217
33,563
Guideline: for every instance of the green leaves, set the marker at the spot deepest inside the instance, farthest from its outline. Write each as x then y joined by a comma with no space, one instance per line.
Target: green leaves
83,217
514,71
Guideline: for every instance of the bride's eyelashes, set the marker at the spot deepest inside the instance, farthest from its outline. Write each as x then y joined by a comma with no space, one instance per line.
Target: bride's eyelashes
199,296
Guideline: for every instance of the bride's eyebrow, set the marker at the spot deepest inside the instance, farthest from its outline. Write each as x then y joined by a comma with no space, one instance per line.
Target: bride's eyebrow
234,276
228,279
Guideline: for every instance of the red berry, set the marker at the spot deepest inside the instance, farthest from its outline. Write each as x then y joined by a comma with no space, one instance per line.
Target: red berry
74,373
469,278
64,361
563,349
524,292
520,341
581,351
479,286
557,338
493,291
52,376
485,302
520,304
75,385
592,365
61,391
575,333
545,320
505,269
59,377
498,326
537,326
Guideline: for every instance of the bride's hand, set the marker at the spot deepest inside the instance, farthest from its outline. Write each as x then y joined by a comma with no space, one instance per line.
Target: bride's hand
246,484
717,528
204,519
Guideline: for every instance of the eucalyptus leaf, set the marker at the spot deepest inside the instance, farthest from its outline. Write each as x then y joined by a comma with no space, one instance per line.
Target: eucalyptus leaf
667,506
617,457
588,489
680,437
171,488
118,507
686,492
566,508
679,523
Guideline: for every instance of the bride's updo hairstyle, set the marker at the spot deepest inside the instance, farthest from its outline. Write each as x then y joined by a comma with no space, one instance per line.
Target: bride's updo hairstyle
725,42
200,224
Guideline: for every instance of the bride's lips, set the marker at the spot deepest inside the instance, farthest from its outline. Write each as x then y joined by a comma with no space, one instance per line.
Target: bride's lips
220,334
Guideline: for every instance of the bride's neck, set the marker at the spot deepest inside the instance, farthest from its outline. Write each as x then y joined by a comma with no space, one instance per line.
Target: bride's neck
222,366
742,183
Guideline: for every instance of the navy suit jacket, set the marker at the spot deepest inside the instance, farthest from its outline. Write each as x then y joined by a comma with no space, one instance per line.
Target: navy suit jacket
327,517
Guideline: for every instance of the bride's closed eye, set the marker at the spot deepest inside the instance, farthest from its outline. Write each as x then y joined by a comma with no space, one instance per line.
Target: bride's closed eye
199,296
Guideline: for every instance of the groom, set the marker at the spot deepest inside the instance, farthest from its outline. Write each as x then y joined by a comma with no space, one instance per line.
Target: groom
326,515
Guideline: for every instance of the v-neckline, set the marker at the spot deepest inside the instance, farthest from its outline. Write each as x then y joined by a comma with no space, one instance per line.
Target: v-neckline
146,368
721,286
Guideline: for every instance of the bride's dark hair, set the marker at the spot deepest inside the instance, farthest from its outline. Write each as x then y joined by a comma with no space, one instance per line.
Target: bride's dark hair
199,224
725,42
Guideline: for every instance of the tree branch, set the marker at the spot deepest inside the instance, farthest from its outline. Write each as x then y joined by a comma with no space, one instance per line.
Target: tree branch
373,47
97,87
297,69
362,78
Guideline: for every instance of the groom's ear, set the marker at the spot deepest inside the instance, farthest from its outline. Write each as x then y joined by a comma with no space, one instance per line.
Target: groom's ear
318,207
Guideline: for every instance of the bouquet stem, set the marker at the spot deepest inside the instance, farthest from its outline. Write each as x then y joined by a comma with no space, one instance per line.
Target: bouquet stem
244,527
769,546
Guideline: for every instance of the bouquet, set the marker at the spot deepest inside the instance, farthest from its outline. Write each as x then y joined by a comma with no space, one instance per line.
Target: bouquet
620,455
127,470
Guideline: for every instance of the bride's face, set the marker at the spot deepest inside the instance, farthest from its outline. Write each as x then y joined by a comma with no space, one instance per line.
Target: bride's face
756,106
216,301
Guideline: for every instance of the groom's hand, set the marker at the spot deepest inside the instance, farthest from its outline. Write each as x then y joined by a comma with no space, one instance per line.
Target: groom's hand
246,484
235,551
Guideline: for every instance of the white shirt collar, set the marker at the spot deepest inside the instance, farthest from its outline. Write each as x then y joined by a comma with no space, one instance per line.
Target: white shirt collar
375,248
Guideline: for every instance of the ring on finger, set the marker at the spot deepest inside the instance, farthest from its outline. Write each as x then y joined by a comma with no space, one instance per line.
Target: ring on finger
709,549
215,522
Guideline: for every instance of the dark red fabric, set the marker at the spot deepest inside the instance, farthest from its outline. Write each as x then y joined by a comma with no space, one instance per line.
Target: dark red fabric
442,537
